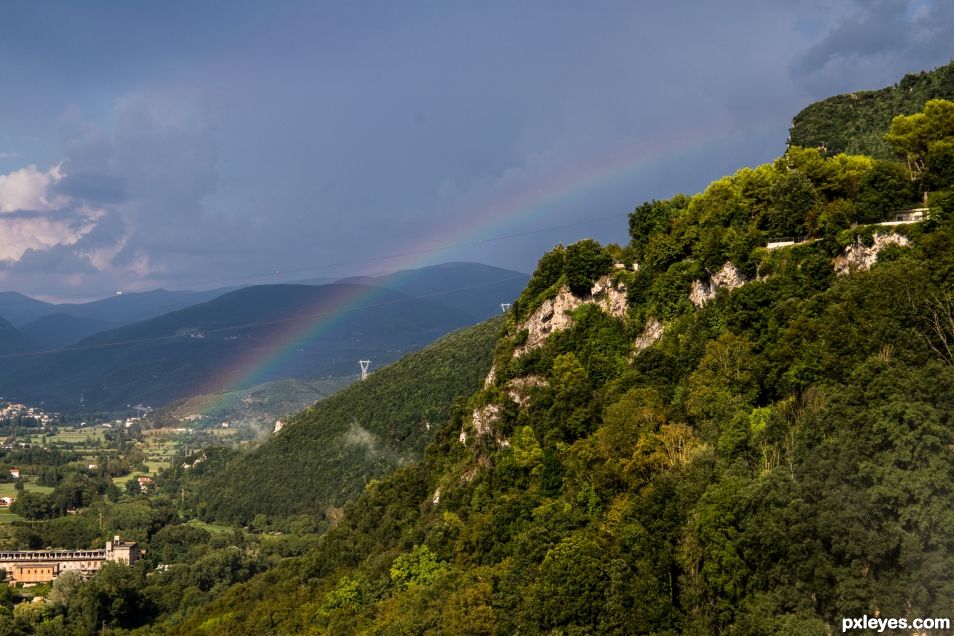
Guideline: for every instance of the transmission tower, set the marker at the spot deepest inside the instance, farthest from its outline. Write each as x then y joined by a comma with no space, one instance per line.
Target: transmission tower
364,368
504,307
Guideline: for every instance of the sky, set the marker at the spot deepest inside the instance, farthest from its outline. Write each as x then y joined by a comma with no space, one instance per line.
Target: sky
194,145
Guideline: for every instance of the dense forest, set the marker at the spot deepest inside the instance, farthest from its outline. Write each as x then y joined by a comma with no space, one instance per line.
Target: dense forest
689,433
854,123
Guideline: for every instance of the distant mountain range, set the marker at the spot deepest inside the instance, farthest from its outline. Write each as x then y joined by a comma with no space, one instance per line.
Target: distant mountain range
50,325
213,341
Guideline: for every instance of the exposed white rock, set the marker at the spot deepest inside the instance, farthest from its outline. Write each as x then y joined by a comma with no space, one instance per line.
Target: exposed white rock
554,314
279,425
491,377
484,419
701,292
651,333
858,257
437,497
519,388
728,277
611,298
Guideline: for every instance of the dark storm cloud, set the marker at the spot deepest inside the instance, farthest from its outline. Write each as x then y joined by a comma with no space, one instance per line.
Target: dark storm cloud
94,187
51,263
879,37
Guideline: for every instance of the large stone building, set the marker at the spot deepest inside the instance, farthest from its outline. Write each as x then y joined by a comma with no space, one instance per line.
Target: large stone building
42,566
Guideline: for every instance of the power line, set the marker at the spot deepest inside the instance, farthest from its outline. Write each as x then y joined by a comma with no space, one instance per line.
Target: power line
263,323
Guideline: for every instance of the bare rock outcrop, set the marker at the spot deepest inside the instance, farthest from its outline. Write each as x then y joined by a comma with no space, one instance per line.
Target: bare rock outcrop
519,388
491,376
554,314
651,333
482,423
728,277
858,257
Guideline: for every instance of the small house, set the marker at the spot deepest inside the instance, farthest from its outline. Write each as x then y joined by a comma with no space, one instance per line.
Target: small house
144,483
909,216
15,473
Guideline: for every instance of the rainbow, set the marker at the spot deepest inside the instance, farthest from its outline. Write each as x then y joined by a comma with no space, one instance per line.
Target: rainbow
566,187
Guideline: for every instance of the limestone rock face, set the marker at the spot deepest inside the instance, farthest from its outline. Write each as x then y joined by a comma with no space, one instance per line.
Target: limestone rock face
651,333
858,257
482,423
519,388
491,376
554,314
728,277
485,418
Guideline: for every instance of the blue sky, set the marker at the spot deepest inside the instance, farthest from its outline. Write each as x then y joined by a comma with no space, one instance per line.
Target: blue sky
190,145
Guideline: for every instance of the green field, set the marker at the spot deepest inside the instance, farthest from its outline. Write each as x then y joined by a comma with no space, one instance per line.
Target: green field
214,528
9,489
77,436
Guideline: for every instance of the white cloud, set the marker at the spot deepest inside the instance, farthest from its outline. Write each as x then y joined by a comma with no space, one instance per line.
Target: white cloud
20,234
29,189
34,216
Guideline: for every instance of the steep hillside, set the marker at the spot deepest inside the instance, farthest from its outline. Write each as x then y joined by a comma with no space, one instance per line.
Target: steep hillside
319,331
855,123
690,434
325,455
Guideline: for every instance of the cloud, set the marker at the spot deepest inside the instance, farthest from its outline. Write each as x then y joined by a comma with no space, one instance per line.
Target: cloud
35,217
122,206
29,189
876,42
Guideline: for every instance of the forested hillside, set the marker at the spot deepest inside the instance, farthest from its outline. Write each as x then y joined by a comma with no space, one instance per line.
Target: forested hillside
855,122
688,434
324,455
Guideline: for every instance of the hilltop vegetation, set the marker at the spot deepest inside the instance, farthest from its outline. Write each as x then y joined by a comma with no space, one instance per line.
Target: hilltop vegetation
855,123
778,459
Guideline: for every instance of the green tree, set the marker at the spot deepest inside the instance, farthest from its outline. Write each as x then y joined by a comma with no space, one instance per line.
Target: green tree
32,505
571,585
911,136
792,198
420,566
884,189
725,379
586,261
